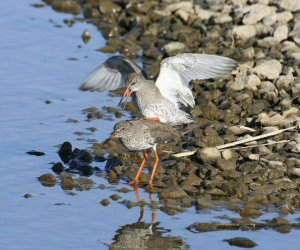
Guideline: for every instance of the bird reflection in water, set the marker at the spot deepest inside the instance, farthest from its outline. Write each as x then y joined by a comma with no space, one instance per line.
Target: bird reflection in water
141,235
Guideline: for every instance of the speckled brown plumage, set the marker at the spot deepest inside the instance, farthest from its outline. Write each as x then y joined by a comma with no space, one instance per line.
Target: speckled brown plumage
142,135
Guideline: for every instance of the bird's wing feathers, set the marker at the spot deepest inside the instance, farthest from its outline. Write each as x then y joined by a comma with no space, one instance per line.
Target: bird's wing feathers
162,132
111,74
155,132
176,73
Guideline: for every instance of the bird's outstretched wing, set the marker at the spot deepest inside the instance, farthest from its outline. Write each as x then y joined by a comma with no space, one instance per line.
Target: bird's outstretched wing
111,74
176,73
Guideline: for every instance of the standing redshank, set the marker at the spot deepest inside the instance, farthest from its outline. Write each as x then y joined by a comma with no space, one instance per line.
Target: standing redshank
160,100
142,135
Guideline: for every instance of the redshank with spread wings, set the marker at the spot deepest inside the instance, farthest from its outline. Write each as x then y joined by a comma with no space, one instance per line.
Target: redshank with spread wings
161,99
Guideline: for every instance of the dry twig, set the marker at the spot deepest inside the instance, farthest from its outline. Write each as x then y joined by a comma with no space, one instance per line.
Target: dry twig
258,145
231,144
255,138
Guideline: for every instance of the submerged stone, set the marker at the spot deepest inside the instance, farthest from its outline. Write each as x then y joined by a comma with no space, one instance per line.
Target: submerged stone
241,242
48,180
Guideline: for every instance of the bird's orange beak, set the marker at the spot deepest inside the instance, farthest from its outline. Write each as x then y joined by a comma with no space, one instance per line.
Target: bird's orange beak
127,94
114,135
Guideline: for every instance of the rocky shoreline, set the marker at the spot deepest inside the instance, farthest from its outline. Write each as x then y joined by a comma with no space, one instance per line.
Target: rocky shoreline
262,96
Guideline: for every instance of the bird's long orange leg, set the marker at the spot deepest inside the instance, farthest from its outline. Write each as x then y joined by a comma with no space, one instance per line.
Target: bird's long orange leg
154,169
136,179
152,118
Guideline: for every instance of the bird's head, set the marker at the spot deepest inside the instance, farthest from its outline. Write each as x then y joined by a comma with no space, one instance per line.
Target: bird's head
134,82
121,129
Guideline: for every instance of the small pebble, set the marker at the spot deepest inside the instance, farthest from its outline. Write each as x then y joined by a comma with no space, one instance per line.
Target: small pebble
58,167
105,202
27,196
115,197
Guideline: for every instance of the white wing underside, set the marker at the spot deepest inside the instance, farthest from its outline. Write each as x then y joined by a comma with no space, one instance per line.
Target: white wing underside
176,73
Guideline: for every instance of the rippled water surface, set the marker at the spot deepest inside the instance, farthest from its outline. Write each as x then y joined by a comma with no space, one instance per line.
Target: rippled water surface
44,59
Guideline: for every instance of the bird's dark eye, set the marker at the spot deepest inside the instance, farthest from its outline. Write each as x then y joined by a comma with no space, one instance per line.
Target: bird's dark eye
120,129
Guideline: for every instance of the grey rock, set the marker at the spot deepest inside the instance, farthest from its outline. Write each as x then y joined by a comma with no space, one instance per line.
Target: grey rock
202,14
284,82
267,42
290,112
249,53
252,82
291,5
269,69
296,56
253,157
183,15
262,29
173,193
284,17
209,154
239,82
294,171
238,130
174,48
186,6
270,19
289,46
286,103
227,154
276,120
223,164
244,32
281,32
256,13
223,18
268,88
109,7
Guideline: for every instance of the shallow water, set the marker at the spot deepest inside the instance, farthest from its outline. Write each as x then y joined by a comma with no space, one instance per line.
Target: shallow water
37,64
